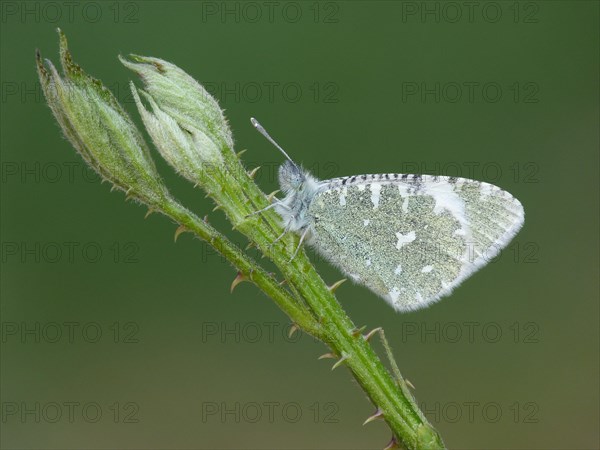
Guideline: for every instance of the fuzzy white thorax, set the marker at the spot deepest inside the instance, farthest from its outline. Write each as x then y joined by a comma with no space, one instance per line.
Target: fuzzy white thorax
299,187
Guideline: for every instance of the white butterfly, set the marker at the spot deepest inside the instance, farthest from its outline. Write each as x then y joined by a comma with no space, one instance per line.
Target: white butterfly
411,239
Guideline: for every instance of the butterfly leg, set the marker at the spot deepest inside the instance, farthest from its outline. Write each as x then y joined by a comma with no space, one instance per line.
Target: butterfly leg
285,231
302,236
272,205
388,350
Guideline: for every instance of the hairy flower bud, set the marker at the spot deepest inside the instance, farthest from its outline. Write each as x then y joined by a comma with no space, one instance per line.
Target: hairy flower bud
186,148
99,128
182,98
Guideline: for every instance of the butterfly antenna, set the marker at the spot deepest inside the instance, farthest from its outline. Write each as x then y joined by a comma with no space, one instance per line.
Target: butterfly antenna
262,131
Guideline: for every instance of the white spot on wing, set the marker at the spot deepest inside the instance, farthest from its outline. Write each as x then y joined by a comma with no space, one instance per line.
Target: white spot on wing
398,270
426,269
446,198
403,189
419,297
366,222
394,294
404,239
375,191
343,194
361,187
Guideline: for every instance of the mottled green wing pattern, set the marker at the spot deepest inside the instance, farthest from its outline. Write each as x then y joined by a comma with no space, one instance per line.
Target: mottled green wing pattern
411,239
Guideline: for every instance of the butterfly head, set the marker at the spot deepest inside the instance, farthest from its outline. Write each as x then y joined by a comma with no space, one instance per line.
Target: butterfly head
298,185
291,177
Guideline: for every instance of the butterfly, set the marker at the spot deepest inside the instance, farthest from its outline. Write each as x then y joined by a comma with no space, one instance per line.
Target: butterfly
411,239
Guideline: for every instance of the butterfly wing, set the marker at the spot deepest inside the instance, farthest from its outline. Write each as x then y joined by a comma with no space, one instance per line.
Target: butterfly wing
411,239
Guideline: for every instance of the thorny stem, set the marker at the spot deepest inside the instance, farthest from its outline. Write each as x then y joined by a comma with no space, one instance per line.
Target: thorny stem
103,134
239,196
245,265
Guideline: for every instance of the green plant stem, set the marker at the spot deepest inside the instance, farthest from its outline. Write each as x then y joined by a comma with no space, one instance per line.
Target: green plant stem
240,197
399,410
251,270
102,133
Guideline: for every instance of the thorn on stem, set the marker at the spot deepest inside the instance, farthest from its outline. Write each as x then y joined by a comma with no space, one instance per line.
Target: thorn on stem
252,173
340,362
336,285
150,211
377,415
240,278
293,330
327,356
412,386
216,208
241,152
180,229
392,444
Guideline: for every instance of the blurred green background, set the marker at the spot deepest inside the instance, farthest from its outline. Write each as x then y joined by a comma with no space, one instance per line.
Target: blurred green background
114,337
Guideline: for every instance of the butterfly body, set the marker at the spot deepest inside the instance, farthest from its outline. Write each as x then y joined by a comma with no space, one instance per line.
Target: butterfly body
411,239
